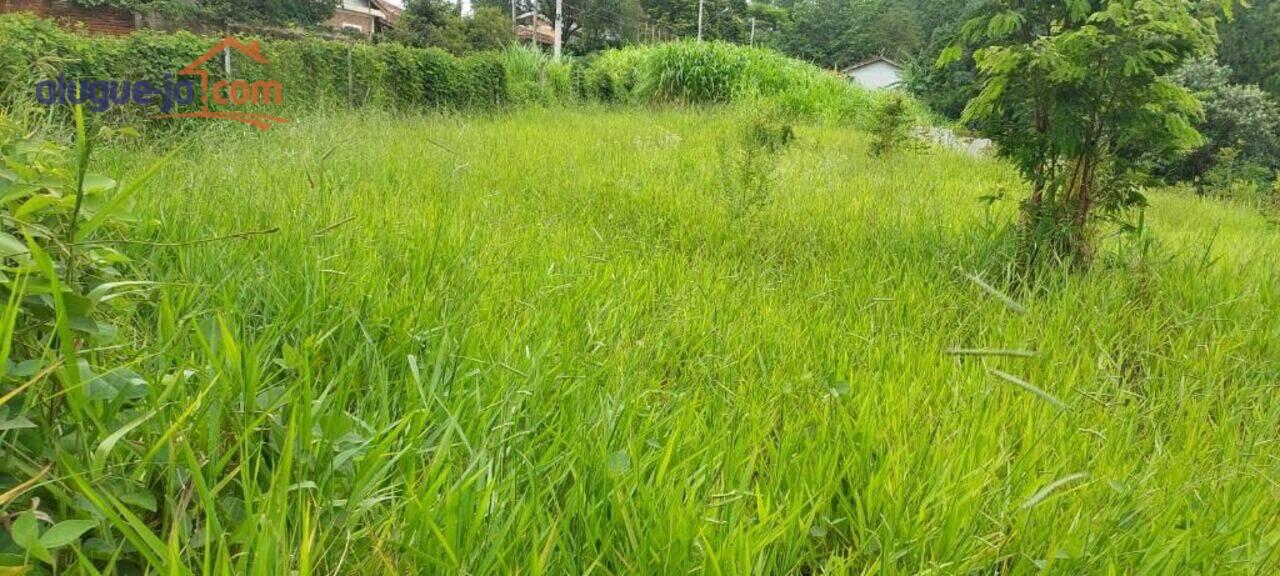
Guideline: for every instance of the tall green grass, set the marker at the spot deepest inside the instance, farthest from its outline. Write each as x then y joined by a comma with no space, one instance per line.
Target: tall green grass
479,345
720,73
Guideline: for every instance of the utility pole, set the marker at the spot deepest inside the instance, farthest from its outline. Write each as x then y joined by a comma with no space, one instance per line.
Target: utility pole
533,27
753,30
699,21
559,27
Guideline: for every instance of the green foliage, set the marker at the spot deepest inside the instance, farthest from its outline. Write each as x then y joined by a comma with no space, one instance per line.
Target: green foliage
695,73
553,350
615,75
534,78
437,24
33,48
944,89
315,73
589,26
723,20
748,165
840,33
488,28
1240,117
717,73
259,12
893,127
772,22
1234,177
144,54
324,74
1078,96
484,82
1251,45
51,204
65,285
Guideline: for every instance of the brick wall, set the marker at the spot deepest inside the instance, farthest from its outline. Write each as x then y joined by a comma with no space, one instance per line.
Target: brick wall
40,7
100,20
342,16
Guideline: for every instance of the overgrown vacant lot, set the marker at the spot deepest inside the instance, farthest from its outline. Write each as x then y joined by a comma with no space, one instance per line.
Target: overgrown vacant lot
554,342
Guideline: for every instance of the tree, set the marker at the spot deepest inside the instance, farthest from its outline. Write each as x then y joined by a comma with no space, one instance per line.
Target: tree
819,33
436,24
431,23
589,25
1077,95
1238,117
770,23
945,89
722,19
838,33
488,28
1251,46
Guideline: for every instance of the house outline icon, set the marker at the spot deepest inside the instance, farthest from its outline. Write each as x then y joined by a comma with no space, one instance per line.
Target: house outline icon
254,51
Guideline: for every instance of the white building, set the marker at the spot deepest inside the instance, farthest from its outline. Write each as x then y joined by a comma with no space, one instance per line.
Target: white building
876,73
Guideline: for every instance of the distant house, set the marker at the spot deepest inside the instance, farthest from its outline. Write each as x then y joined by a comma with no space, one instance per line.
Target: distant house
365,17
876,73
96,19
542,31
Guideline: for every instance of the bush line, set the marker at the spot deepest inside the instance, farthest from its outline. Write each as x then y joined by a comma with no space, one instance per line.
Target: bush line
319,74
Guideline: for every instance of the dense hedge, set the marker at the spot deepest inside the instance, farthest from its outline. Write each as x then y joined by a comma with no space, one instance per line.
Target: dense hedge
315,73
320,73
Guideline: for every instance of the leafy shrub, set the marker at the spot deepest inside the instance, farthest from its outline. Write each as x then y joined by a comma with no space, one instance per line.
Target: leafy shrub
484,81
1271,203
614,76
558,81
31,48
748,165
1082,109
441,77
1234,177
145,54
63,282
893,127
398,66
1241,117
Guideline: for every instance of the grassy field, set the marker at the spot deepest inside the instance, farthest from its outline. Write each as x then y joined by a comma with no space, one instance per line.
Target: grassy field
555,342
